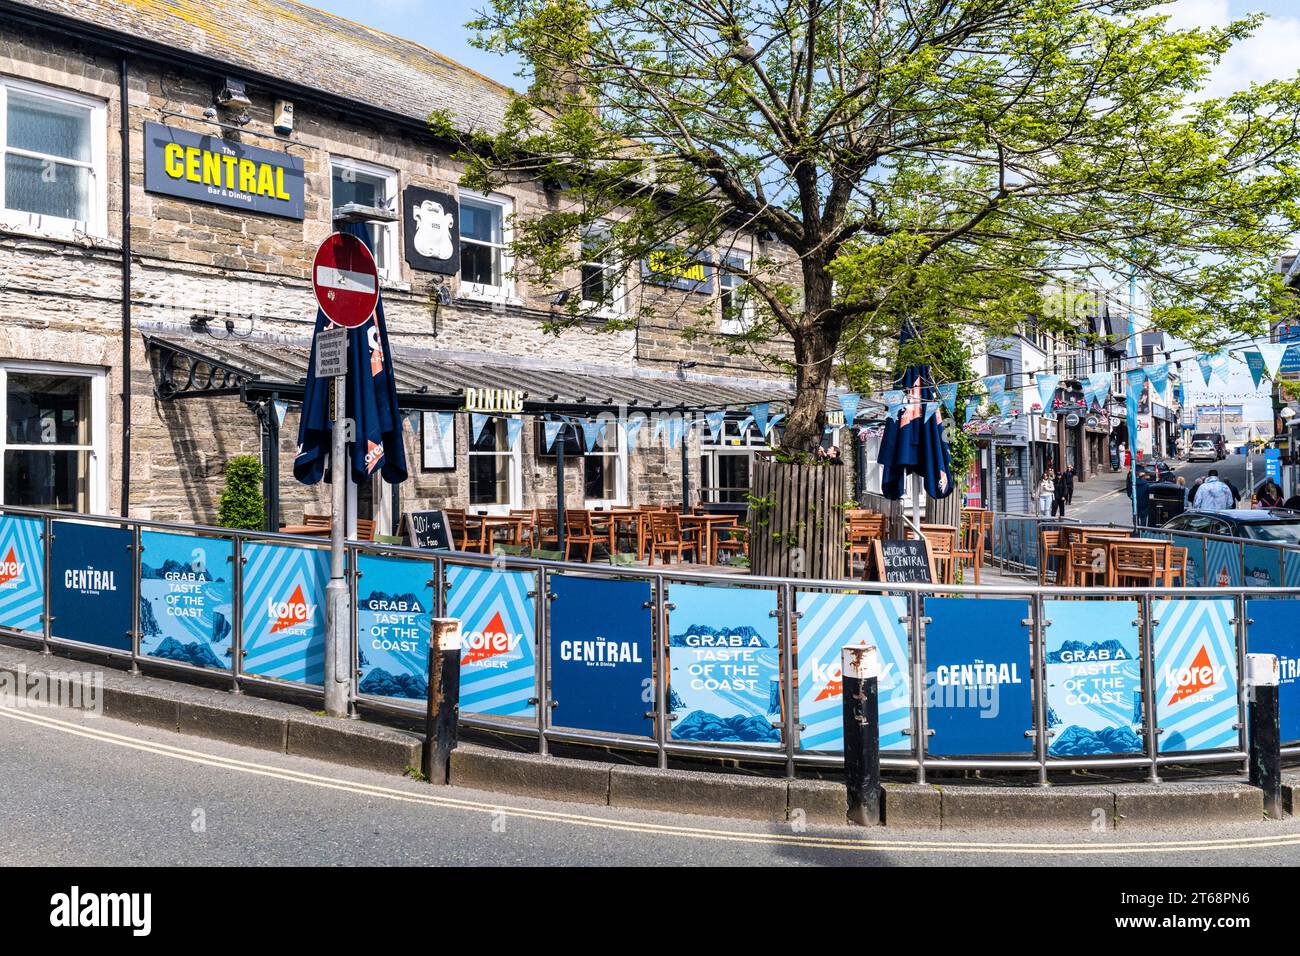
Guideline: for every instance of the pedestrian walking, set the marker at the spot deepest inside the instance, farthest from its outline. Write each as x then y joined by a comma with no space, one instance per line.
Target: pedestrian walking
1060,497
1214,494
1046,494
1067,478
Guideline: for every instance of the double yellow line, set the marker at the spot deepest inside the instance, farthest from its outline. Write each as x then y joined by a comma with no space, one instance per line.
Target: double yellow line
851,844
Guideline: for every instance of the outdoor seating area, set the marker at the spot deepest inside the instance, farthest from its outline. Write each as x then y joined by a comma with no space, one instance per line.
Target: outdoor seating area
1082,556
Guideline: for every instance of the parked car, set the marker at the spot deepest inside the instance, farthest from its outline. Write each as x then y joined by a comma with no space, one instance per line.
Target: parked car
1154,471
1276,525
1203,450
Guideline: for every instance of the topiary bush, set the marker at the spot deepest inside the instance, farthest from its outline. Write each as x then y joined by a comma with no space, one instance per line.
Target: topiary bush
241,499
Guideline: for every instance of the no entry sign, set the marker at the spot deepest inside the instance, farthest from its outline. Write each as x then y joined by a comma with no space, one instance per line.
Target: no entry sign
345,280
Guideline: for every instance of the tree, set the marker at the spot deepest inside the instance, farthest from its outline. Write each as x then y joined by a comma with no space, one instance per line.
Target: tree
940,159
240,506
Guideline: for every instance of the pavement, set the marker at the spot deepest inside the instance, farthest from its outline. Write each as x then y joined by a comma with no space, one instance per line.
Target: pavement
80,790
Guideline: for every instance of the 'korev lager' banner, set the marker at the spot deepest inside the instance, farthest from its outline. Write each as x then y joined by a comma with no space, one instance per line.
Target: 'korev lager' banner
498,657
1196,674
284,611
186,599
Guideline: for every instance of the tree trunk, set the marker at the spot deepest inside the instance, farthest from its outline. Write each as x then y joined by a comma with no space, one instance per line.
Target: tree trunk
796,520
814,340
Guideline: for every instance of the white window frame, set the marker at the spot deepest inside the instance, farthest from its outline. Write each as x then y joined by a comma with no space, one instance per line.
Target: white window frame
516,483
618,458
732,443
741,325
613,308
97,466
96,223
504,291
387,236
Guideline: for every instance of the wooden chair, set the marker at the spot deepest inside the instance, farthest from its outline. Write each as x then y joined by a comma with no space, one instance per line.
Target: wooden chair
1176,569
667,537
1083,568
860,532
579,531
732,539
546,526
643,527
1053,554
529,525
1136,563
462,536
941,543
971,535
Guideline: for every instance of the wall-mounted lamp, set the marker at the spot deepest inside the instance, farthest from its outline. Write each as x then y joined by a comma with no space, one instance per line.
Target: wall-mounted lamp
560,298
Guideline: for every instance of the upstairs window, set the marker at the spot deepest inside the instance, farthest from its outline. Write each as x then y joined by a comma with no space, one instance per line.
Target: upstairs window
53,168
602,290
733,292
364,184
484,236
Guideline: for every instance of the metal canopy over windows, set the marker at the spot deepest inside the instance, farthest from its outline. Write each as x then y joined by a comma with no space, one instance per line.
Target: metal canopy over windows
193,367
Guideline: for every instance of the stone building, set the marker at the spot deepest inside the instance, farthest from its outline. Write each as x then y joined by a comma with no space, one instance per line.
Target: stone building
247,126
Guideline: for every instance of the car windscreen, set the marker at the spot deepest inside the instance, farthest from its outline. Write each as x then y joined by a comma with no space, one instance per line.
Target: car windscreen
1286,532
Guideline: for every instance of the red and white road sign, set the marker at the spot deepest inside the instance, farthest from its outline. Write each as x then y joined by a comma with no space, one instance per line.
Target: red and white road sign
345,280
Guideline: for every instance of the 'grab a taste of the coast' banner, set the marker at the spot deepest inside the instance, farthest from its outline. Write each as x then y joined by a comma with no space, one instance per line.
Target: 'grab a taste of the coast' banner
186,599
724,650
394,601
1094,678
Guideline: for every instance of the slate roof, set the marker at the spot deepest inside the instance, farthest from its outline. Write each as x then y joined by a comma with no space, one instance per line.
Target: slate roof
300,44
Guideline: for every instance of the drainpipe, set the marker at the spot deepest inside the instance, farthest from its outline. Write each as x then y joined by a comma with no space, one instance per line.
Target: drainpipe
125,110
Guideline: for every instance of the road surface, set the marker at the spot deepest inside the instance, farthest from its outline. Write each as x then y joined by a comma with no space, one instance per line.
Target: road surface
84,791
1102,500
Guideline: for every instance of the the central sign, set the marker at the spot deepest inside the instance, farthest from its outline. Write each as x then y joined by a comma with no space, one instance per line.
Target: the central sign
677,269
345,280
211,169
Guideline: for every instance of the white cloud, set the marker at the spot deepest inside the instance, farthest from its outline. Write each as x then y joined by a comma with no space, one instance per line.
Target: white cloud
1270,54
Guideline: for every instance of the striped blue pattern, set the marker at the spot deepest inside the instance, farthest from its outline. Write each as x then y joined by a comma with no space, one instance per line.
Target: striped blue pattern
1222,564
1291,568
22,596
1195,569
1190,629
477,597
273,572
829,622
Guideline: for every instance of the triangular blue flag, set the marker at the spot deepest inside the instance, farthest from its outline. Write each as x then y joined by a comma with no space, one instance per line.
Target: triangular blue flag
760,413
281,409
849,406
1097,388
1158,376
514,426
1207,368
1136,378
997,388
972,409
716,421
744,425
895,399
930,409
551,431
1273,353
632,426
774,421
1047,390
948,395
1219,365
590,432
676,427
477,424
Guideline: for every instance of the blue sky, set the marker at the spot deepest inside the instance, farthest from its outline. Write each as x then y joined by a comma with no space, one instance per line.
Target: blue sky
439,24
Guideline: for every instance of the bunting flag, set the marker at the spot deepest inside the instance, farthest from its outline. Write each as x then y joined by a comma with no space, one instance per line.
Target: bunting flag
1273,353
972,409
660,422
716,421
551,431
1207,368
676,427
948,396
1097,388
1047,390
413,417
744,425
773,422
895,399
592,430
1158,376
931,408
281,409
1219,365
1255,362
477,424
631,427
1136,378
760,413
849,406
997,389
514,426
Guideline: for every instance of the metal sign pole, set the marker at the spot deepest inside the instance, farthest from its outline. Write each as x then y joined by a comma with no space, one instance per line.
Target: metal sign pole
336,592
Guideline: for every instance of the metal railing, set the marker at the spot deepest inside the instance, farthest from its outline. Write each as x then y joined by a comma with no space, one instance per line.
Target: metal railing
917,756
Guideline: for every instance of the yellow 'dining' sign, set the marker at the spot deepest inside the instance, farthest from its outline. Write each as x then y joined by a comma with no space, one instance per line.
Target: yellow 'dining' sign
670,267
211,169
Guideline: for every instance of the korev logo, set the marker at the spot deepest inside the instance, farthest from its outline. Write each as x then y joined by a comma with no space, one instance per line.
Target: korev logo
11,571
1190,681
76,909
290,614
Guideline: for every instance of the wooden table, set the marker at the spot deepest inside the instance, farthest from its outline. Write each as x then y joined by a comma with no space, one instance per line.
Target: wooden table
487,524
704,531
613,518
310,530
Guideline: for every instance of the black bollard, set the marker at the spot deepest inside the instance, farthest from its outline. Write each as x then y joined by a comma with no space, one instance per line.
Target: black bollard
440,716
1265,731
860,668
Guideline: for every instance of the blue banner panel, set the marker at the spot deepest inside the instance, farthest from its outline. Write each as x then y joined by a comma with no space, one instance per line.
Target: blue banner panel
284,611
498,615
829,622
1222,564
1272,630
1195,563
979,692
1263,566
394,610
1196,674
1291,568
724,651
22,573
90,584
601,654
187,599
1094,677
